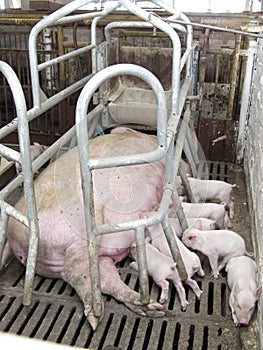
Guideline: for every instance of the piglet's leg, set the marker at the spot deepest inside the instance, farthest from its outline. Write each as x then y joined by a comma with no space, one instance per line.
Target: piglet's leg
213,260
112,284
164,284
76,273
231,208
181,292
193,284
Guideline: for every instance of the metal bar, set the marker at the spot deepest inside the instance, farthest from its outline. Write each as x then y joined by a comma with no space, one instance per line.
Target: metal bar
32,46
85,16
46,105
185,181
208,26
189,39
174,248
142,265
176,61
133,24
177,157
82,137
86,95
64,57
24,145
245,99
9,153
94,34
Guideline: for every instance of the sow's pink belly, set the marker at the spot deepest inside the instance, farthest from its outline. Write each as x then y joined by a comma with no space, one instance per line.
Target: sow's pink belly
120,194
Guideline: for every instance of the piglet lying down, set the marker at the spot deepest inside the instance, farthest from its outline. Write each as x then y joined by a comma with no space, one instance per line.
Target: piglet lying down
120,194
241,279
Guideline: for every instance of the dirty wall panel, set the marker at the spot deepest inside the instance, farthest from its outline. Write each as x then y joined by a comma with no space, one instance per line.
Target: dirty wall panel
209,130
159,62
253,165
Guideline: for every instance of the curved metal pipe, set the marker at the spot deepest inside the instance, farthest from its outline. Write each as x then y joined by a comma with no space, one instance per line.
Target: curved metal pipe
24,144
87,165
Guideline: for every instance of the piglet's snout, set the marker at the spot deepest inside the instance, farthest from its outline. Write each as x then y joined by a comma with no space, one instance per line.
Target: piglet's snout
244,321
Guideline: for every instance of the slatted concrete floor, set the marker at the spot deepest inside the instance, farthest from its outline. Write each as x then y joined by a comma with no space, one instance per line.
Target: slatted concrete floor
56,314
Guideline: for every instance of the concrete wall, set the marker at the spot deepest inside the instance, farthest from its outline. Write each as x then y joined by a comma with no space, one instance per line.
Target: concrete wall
253,165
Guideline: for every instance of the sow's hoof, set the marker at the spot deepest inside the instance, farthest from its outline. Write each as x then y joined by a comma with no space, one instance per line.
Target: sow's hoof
153,309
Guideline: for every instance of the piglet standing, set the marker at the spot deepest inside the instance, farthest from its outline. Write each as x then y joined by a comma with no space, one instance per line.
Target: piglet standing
161,268
241,279
215,244
213,189
35,150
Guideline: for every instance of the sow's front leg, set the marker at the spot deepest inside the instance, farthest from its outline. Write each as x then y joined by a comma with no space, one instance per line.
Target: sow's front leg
76,273
112,284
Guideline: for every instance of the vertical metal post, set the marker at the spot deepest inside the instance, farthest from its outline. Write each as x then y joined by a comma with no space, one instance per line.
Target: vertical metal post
142,265
24,144
174,248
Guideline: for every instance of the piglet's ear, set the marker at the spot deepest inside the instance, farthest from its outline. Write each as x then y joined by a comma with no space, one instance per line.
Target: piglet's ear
198,224
258,292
